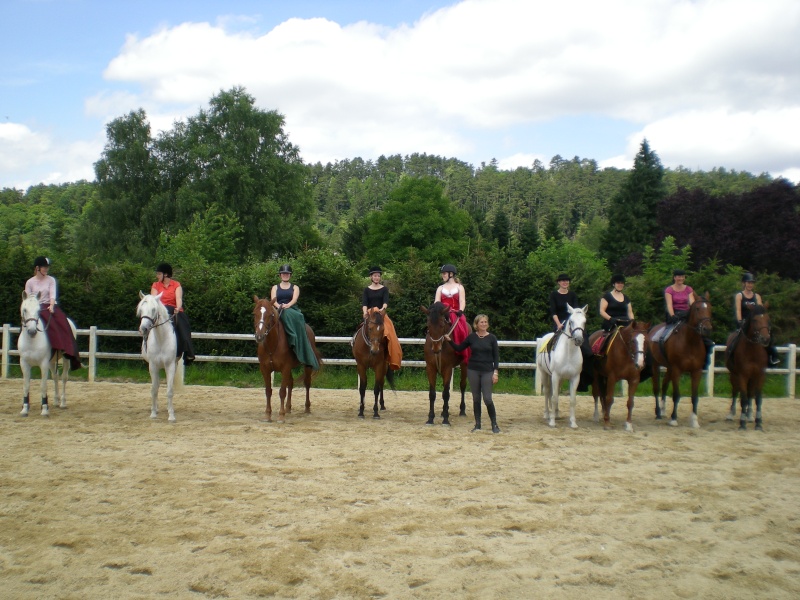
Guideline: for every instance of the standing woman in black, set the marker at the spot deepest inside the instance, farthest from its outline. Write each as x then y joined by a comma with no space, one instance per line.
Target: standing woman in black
483,367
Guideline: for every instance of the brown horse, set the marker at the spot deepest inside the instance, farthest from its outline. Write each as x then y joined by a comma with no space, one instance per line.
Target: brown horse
275,355
371,351
746,359
683,352
441,359
624,358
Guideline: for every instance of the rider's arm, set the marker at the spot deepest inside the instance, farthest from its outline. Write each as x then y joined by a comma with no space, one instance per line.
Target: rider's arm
737,303
630,311
603,307
462,297
438,296
668,301
295,296
179,299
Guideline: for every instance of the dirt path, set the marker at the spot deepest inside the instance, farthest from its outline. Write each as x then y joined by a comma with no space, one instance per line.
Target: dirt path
101,502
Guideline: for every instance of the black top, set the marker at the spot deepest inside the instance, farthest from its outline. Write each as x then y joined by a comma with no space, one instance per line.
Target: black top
616,309
283,296
748,304
558,304
375,298
485,352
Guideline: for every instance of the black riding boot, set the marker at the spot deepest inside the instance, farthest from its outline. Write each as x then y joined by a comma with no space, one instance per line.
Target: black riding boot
709,344
493,416
476,409
772,351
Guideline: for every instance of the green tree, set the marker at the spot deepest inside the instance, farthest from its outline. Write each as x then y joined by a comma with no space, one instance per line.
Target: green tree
417,216
632,214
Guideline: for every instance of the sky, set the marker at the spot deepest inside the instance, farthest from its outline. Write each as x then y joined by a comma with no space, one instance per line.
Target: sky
709,83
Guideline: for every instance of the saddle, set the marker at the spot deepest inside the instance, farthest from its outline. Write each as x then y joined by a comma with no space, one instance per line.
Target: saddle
550,344
662,336
603,343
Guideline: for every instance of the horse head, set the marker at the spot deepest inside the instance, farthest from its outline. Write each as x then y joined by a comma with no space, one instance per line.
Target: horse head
575,327
635,336
373,332
29,311
151,312
438,325
265,317
758,328
700,316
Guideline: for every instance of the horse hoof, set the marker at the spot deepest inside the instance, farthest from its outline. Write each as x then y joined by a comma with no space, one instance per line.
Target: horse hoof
629,427
376,416
742,427
24,411
729,417
445,423
172,421
45,411
573,425
759,428
673,423
429,422
552,423
360,416
463,413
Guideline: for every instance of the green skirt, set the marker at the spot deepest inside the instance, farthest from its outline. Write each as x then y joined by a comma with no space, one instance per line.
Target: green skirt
295,325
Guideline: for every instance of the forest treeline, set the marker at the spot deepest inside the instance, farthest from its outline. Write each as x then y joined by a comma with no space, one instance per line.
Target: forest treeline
226,198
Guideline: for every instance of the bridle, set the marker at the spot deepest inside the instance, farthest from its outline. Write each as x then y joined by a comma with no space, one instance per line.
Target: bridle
699,326
154,323
630,344
270,325
757,337
572,331
439,339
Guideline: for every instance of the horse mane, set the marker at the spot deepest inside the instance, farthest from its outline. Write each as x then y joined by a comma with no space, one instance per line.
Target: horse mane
438,310
377,316
758,309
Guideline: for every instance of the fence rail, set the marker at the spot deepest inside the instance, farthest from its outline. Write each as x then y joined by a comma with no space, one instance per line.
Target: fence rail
94,355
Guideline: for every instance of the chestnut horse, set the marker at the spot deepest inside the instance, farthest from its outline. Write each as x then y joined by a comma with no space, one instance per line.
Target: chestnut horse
623,358
275,355
441,359
683,352
371,351
746,359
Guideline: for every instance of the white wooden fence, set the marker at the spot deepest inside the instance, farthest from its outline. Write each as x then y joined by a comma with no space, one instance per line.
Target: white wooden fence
790,351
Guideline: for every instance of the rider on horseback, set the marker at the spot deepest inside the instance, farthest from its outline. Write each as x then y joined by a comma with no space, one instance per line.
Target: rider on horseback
744,302
284,296
678,297
451,293
172,298
616,310
55,321
376,295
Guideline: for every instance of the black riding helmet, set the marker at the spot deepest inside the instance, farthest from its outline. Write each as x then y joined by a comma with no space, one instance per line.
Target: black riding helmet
448,268
373,270
748,277
41,261
285,269
164,268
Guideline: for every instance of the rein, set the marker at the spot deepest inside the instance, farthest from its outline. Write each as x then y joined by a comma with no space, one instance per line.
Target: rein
439,339
36,320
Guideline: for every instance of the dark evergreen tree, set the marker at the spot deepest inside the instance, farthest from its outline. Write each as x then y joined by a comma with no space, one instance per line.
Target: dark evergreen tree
632,214
501,229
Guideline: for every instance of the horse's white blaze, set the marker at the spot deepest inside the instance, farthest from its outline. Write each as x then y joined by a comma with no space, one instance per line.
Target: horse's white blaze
35,351
639,342
159,348
565,362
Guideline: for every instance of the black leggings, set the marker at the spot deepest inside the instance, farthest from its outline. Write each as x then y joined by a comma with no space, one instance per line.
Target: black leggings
480,382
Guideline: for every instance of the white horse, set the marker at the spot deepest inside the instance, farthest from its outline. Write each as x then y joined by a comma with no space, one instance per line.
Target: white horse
565,361
35,350
159,349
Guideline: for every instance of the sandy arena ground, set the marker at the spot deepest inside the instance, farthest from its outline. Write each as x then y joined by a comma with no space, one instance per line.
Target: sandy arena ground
98,501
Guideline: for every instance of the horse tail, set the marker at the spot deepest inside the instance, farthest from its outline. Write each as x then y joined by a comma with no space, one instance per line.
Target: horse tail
177,383
390,378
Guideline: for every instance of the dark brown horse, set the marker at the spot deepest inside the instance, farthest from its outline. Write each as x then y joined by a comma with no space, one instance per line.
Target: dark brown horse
683,352
441,359
623,358
275,355
746,359
371,351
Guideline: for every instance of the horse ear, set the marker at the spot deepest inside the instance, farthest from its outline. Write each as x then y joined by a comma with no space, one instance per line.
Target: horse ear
707,296
766,305
570,309
141,295
585,308
24,295
255,298
424,309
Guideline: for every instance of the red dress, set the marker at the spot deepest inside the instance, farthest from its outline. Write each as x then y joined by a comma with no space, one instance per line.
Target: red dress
461,330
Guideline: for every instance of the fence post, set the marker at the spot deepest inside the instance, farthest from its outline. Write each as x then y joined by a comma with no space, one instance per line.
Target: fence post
537,381
92,353
792,366
711,372
6,345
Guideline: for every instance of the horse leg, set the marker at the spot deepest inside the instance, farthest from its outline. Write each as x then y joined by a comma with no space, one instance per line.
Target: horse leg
555,384
362,389
64,376
169,369
26,386
462,412
759,422
154,381
656,376
307,371
664,387
608,400
693,421
447,376
431,393
676,394
631,393
380,374
268,392
573,400
597,382
289,388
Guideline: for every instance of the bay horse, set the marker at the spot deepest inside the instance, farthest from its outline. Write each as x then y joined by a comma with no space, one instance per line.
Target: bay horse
682,352
561,362
623,359
746,359
371,351
441,359
35,351
159,350
276,355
